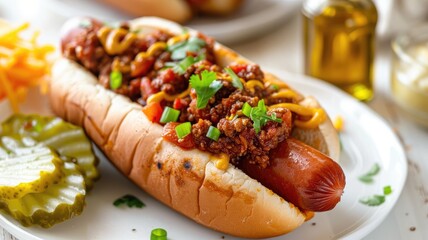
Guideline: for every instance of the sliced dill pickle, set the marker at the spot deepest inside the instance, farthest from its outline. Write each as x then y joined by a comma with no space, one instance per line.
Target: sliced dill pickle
26,169
59,202
69,141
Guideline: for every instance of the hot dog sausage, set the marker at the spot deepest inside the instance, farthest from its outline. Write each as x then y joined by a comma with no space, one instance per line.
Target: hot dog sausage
301,175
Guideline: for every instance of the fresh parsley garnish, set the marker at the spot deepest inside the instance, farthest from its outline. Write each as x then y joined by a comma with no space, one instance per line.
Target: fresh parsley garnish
368,177
376,199
236,82
129,200
180,49
184,64
205,86
115,80
258,115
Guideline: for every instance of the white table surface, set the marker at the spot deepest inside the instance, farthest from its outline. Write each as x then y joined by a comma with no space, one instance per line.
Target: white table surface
282,49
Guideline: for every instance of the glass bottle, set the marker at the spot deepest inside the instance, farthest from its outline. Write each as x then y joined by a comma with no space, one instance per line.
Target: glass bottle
339,43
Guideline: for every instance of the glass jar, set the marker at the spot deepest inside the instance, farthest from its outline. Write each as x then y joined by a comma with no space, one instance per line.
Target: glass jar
409,76
339,43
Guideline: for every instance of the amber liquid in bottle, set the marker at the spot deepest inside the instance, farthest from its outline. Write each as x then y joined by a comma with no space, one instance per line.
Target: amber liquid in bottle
339,44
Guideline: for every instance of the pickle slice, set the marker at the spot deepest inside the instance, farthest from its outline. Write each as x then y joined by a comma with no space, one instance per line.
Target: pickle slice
59,202
26,169
68,140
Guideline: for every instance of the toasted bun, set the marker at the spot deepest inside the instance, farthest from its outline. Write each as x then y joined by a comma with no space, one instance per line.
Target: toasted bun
228,201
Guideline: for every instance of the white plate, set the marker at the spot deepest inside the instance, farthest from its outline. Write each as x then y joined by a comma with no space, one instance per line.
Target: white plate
254,19
366,140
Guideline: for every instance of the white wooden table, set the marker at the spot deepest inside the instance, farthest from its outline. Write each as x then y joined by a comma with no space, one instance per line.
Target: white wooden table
282,49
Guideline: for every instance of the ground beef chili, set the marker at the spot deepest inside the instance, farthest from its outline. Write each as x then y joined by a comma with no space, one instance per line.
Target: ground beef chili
142,78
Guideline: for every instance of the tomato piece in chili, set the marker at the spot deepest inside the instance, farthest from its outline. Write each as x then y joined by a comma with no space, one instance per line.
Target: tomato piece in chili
170,135
153,111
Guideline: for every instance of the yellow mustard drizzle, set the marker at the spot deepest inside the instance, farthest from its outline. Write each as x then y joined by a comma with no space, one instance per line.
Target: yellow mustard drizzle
115,41
155,47
157,97
228,78
285,93
178,38
221,161
253,83
317,114
118,66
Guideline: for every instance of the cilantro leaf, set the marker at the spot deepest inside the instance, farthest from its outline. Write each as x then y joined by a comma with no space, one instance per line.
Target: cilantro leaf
368,177
236,82
130,201
205,86
180,49
372,201
258,115
184,64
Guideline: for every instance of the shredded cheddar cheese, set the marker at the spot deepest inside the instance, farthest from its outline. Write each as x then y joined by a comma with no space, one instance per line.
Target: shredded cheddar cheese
115,41
317,115
23,63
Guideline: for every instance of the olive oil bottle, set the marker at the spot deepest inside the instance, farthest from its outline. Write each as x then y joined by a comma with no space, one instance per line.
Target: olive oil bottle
339,43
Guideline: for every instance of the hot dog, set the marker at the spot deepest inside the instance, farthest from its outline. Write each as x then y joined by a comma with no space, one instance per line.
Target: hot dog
253,118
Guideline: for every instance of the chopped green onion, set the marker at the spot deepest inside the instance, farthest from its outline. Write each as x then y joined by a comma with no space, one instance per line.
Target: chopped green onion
213,133
387,190
183,129
236,81
158,234
169,115
368,177
246,109
115,80
372,201
130,201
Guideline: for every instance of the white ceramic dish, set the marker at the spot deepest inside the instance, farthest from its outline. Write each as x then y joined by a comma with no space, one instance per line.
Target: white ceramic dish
366,140
254,19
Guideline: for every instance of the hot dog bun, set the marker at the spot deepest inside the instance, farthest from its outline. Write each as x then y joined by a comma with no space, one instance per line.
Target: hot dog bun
187,181
175,10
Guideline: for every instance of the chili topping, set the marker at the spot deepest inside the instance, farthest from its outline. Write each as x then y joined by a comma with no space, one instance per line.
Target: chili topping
232,111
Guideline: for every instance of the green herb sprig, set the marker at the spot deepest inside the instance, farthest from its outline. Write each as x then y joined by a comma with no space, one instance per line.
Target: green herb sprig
180,49
205,86
236,82
130,201
258,115
183,65
376,199
368,177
